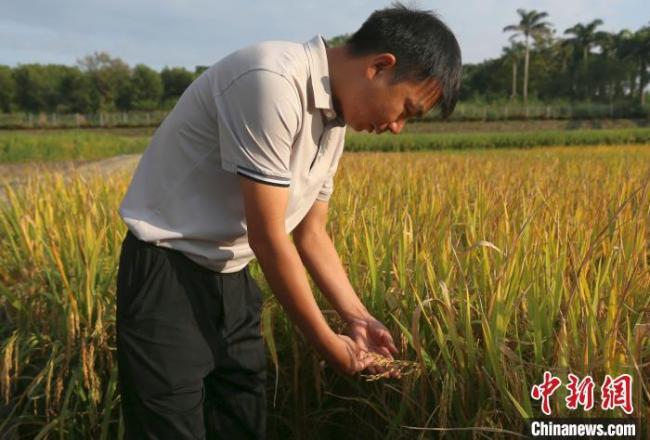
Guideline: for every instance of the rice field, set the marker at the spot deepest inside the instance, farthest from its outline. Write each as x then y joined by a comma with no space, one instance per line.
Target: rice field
489,267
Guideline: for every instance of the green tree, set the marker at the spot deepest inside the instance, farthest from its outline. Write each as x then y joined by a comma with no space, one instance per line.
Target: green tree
175,80
146,88
612,66
198,70
488,80
624,64
7,89
32,87
637,49
530,25
77,93
54,76
584,38
338,40
110,76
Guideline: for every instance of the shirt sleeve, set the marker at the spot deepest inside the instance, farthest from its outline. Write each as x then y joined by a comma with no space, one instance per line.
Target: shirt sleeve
259,116
327,189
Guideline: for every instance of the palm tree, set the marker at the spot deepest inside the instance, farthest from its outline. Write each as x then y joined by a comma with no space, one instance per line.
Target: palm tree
613,46
530,25
637,48
513,53
585,37
562,53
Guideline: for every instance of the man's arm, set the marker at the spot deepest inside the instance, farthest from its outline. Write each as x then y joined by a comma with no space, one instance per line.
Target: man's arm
319,255
265,207
324,264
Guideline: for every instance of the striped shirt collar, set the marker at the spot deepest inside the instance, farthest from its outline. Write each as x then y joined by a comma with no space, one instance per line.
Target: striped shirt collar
320,79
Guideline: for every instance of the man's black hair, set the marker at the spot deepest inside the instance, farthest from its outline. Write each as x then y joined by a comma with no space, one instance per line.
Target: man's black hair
422,44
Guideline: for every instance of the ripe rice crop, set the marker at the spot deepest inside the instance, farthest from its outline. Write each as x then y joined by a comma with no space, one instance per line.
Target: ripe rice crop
488,266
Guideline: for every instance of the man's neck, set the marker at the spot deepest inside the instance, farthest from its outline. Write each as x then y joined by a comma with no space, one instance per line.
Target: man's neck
336,64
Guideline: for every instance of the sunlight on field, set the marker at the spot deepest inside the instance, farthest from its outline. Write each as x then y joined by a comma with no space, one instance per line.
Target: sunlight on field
490,267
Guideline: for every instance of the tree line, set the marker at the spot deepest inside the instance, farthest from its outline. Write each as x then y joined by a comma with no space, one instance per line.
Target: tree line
98,82
584,64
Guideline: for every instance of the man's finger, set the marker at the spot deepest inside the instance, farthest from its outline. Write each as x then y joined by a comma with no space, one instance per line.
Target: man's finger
360,336
388,341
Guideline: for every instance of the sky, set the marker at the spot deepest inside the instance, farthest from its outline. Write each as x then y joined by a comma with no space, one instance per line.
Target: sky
188,33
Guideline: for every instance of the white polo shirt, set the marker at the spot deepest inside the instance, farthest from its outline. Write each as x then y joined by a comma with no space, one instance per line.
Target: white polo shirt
264,112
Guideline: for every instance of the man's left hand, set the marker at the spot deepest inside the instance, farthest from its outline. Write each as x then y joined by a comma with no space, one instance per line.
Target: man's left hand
373,337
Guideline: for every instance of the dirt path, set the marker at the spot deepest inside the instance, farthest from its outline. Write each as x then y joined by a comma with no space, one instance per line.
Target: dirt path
106,167
17,174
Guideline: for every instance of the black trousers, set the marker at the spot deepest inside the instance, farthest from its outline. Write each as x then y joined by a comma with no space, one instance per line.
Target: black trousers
191,359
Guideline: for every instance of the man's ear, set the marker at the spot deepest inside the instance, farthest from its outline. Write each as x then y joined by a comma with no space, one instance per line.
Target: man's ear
380,64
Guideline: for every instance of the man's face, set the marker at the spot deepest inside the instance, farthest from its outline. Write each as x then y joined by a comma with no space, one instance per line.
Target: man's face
377,104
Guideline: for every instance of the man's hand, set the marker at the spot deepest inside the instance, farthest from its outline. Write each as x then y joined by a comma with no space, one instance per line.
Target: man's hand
372,336
346,356
265,207
323,263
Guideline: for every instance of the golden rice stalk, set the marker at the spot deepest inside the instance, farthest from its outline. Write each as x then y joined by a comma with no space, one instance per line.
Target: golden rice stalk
402,367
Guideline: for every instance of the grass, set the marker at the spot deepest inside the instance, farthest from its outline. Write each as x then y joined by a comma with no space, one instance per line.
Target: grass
44,145
489,267
491,140
519,126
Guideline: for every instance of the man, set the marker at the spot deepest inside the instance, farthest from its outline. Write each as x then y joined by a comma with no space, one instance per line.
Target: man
246,157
